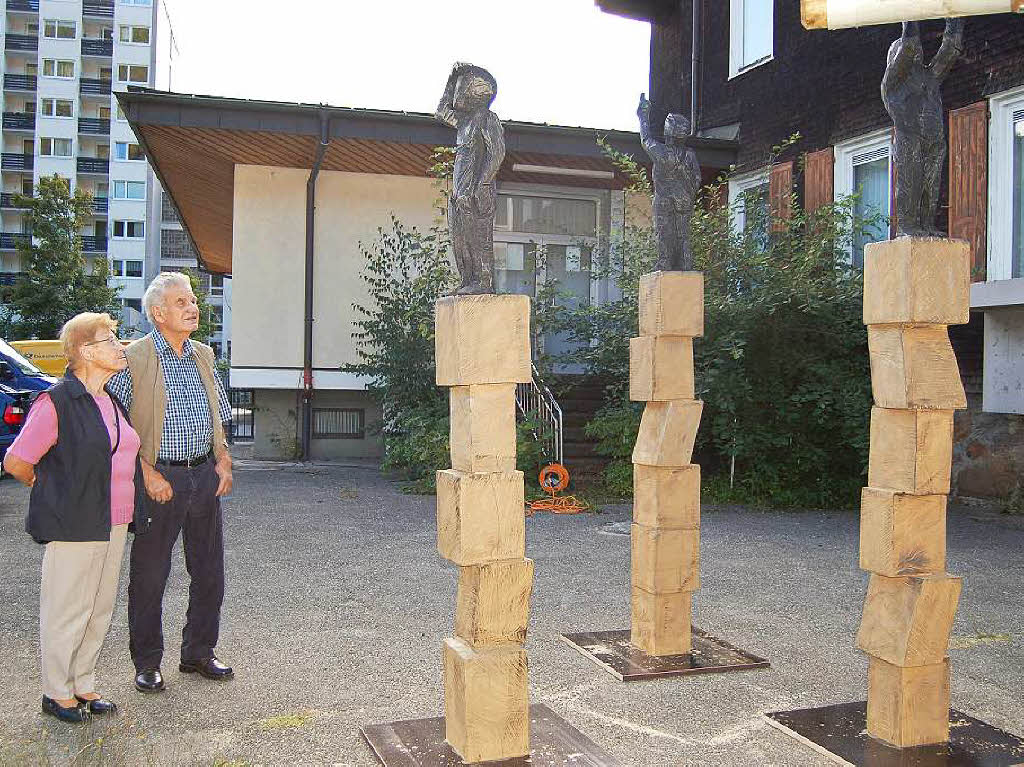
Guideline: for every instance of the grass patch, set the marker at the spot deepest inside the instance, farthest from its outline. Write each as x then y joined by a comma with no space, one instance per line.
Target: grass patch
287,721
973,640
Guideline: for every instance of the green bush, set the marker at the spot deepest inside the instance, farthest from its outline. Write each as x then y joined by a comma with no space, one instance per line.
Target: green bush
782,367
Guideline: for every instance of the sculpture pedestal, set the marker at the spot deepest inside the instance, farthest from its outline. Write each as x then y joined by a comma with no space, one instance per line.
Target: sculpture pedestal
913,289
666,499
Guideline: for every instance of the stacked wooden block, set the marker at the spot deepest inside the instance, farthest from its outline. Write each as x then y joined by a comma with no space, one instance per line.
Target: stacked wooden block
483,349
913,289
666,503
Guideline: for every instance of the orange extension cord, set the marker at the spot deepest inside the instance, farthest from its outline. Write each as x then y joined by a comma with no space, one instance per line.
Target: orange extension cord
553,478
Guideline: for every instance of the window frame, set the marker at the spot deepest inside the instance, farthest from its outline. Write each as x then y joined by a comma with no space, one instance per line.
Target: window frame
52,140
999,259
125,222
737,66
131,28
127,152
126,185
56,63
845,153
56,29
738,186
128,71
53,100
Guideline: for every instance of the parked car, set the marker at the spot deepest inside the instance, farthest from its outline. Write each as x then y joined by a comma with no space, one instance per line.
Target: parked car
16,372
47,354
14,407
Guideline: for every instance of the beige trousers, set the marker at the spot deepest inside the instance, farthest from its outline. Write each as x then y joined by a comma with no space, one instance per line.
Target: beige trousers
76,602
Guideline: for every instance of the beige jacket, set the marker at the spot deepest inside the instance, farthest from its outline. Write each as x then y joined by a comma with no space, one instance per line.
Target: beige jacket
149,395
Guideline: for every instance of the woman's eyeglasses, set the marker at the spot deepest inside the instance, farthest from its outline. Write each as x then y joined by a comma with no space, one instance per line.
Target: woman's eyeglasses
111,340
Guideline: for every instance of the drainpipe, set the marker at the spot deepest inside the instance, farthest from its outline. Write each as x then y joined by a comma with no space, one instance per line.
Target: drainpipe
307,346
695,51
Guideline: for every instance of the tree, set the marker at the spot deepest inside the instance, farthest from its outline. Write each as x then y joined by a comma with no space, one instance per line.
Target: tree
57,283
205,329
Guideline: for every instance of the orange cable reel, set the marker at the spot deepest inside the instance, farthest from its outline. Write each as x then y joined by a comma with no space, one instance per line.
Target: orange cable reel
553,479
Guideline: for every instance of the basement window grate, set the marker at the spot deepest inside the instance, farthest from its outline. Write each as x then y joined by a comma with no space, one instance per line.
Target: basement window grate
339,423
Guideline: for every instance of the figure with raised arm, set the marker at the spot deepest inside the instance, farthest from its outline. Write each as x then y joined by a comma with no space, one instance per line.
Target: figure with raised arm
676,184
479,152
911,92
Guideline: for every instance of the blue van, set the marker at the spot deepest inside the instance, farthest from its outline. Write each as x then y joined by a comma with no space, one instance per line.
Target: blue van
16,372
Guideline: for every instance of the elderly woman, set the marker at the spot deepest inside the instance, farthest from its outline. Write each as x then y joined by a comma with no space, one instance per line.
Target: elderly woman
79,454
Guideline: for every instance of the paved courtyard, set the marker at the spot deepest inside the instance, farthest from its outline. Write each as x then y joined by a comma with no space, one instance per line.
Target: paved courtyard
337,604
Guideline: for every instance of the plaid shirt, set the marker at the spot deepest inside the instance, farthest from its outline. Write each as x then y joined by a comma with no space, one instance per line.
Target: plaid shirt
188,429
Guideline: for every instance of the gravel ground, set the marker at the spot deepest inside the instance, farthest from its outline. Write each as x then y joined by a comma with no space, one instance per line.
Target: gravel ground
337,605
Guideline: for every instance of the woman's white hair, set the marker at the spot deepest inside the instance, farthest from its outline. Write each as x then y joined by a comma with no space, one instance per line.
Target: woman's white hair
154,295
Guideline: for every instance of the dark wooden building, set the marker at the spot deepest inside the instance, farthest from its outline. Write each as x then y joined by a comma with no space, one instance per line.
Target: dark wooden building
747,70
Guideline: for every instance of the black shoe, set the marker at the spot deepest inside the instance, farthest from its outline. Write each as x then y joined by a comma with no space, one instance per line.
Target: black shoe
211,668
97,705
72,714
149,681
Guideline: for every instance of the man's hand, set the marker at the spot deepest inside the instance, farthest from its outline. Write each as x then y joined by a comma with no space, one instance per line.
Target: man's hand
158,488
223,469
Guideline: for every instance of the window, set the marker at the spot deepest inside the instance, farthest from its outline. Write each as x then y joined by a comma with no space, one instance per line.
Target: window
1006,187
106,74
130,229
129,190
31,68
103,113
124,150
132,73
55,147
56,108
107,33
58,68
863,168
216,285
545,215
119,268
32,28
748,197
132,303
217,319
339,423
59,30
27,188
130,34
751,34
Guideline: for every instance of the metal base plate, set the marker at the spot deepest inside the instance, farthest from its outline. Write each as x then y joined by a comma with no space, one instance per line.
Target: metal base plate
838,733
420,743
612,651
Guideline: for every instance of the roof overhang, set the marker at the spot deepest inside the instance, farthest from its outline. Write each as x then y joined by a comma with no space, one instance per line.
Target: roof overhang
194,143
639,10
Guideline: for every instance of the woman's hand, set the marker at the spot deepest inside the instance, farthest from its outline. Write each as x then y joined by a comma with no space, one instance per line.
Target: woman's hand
20,469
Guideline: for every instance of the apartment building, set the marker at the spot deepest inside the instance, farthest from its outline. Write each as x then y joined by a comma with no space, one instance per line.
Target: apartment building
63,60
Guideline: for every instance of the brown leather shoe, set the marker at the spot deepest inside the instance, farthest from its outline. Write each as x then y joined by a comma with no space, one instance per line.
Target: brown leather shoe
211,668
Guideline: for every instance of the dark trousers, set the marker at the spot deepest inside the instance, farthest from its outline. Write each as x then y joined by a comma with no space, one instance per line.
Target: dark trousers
194,511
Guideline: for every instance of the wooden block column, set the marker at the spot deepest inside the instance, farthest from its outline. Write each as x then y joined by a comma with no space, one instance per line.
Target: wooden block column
483,350
914,288
666,502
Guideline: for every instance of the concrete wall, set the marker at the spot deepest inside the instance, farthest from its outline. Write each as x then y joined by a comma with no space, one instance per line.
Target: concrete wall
276,429
1004,360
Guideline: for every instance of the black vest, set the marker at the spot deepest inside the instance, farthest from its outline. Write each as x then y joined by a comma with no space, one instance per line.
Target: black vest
70,499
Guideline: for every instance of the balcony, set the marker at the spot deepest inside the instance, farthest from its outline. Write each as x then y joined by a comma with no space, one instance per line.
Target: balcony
8,279
9,240
20,83
21,43
23,6
92,244
94,126
98,9
97,47
12,161
93,165
19,121
7,202
89,85
100,205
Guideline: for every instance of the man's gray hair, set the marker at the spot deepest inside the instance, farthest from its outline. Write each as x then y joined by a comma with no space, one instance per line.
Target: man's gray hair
154,295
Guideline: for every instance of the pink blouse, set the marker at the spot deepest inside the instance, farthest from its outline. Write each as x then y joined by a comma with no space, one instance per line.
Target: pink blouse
39,434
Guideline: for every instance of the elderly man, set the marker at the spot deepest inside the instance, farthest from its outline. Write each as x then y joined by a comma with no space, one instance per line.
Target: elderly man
179,408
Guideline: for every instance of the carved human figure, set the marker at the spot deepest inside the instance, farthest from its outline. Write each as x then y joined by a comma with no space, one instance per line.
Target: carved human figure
479,152
912,96
676,184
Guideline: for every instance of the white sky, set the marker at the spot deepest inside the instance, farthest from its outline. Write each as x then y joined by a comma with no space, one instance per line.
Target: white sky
556,61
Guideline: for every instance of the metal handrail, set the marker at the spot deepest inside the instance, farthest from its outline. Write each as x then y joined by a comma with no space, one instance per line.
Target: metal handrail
536,398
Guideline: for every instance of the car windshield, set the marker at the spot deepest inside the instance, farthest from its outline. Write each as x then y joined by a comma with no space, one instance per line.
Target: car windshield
23,364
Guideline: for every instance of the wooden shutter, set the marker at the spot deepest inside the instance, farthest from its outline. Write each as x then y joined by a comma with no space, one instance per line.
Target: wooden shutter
780,192
819,179
968,181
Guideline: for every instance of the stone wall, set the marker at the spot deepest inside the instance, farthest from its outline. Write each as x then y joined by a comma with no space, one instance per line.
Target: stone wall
988,454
